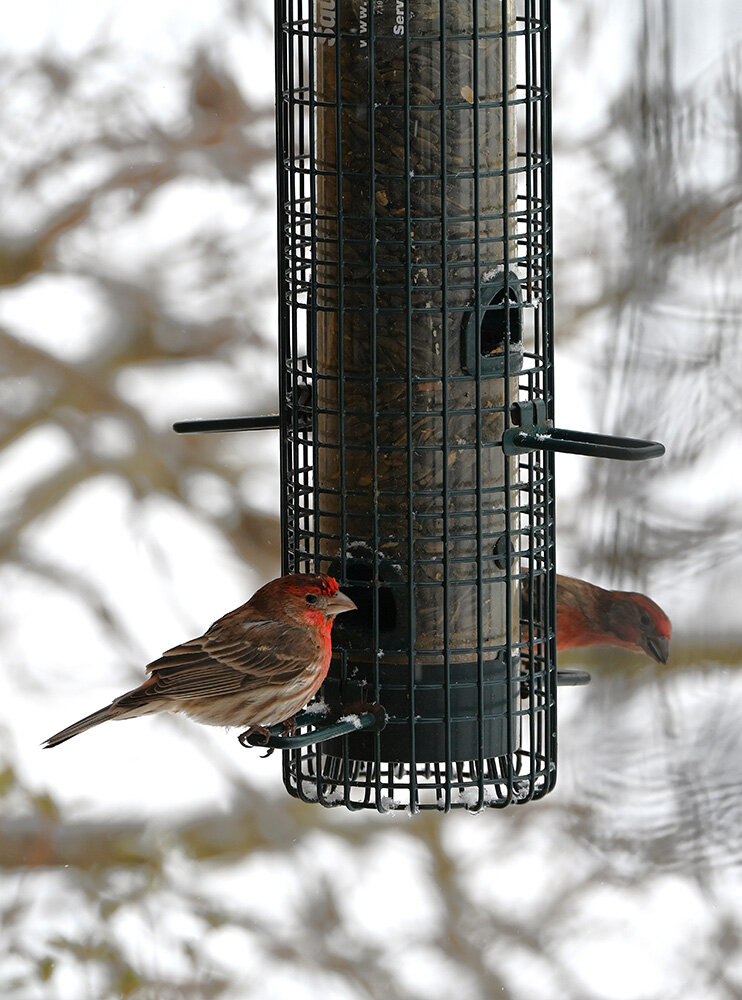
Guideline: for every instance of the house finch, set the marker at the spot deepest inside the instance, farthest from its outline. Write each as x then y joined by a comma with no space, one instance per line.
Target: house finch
257,666
587,615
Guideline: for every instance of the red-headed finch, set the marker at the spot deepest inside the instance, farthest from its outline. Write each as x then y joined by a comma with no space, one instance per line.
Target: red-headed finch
257,666
590,616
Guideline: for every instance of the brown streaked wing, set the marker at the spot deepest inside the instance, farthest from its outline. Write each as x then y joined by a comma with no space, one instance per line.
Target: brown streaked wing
205,679
226,661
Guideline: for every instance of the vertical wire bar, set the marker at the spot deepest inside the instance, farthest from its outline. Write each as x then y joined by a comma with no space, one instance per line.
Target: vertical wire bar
535,233
314,753
287,489
529,149
478,364
343,540
409,333
296,148
299,209
374,385
549,347
545,237
283,381
478,387
290,263
542,128
340,273
341,307
506,360
445,404
532,517
414,792
312,300
539,390
297,277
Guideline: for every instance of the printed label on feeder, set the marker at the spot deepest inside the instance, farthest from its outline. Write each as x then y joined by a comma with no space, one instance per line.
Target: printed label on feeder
399,17
326,20
390,18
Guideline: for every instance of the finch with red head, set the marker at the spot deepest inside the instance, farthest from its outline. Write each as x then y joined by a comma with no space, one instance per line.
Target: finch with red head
590,616
257,666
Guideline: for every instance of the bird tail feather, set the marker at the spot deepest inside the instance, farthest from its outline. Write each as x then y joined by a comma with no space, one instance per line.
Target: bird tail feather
127,706
102,715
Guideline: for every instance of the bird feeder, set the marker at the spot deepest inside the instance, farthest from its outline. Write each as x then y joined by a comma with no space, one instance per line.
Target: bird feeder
417,394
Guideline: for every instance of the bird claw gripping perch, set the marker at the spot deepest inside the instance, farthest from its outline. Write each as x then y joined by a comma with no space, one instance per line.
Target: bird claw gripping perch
366,716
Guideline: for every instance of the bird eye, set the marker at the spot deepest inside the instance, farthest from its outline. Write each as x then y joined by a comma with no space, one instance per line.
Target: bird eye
645,619
311,598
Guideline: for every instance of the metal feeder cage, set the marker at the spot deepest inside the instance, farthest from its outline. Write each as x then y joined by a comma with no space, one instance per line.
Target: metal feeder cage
416,394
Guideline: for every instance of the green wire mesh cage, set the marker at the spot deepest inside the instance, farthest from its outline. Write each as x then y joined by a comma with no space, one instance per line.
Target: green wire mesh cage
415,311
416,394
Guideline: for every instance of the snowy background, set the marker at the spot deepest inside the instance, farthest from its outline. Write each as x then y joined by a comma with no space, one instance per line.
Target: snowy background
158,859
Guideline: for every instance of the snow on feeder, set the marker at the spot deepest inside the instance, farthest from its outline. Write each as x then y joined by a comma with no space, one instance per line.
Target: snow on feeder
416,394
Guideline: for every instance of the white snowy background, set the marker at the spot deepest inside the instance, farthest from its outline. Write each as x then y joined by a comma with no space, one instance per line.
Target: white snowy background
156,859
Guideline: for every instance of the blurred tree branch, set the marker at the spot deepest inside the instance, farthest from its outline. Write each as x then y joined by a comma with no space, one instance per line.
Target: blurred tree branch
218,136
665,257
654,781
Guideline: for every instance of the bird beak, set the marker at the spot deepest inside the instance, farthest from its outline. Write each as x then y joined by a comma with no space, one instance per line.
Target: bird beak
338,604
657,646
